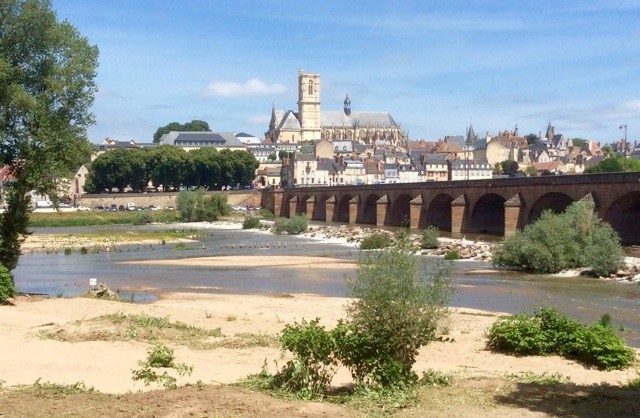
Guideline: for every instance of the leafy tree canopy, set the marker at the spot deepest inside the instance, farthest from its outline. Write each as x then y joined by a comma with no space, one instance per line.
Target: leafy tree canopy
194,125
47,86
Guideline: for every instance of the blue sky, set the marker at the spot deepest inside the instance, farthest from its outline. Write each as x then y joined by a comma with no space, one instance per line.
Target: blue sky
435,66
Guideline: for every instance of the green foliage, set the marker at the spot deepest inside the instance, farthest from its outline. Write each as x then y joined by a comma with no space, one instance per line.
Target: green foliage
144,217
7,286
550,332
575,238
314,363
608,165
57,389
452,255
540,379
375,241
291,226
435,378
119,168
396,310
194,126
250,223
266,213
68,251
47,71
160,357
430,238
194,206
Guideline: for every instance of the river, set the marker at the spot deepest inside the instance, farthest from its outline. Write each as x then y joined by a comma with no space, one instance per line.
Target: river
476,286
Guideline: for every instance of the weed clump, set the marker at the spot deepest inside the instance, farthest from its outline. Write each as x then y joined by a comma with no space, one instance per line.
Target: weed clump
292,226
375,241
551,332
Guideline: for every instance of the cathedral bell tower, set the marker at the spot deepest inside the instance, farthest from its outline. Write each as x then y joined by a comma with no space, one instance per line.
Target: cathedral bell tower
309,105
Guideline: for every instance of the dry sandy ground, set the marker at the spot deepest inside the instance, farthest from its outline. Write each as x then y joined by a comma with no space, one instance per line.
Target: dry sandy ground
107,366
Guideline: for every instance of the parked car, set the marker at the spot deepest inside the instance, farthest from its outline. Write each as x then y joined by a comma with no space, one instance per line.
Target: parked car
114,208
121,208
131,206
83,208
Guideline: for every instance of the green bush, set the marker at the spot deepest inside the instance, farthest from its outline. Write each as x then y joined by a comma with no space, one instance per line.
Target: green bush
160,357
396,310
250,223
430,238
291,226
314,363
375,241
452,255
7,286
555,242
194,206
551,332
266,213
144,217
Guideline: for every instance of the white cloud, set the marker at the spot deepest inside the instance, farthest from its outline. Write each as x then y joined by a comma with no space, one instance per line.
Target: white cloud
252,87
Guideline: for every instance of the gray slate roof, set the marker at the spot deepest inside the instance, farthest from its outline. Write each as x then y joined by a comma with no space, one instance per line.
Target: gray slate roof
357,119
210,139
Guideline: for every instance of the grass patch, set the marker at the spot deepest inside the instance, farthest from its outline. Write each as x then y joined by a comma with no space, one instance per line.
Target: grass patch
61,219
539,379
40,388
248,340
146,328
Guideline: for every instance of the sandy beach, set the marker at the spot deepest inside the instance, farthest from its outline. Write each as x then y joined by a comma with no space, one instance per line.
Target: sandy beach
107,365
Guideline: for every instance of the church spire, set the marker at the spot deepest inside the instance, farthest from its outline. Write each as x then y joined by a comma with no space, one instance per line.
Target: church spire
347,106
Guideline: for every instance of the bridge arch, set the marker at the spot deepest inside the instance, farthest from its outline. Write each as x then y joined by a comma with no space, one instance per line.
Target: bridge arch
438,212
342,210
369,211
624,216
400,211
554,201
487,216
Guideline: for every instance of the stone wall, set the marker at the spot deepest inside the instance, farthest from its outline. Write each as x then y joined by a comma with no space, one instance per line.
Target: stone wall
240,197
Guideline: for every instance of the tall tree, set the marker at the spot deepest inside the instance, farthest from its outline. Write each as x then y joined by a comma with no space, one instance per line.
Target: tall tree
47,86
167,166
194,125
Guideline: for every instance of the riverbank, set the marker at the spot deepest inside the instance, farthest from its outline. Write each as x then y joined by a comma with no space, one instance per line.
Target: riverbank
55,340
67,348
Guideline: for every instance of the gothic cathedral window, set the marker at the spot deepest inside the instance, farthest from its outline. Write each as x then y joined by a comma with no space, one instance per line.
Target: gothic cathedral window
310,87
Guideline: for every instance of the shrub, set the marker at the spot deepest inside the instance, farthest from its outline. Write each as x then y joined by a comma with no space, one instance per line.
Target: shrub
575,238
396,310
144,217
160,357
291,226
430,238
452,255
7,286
266,213
250,223
314,363
375,241
194,206
551,332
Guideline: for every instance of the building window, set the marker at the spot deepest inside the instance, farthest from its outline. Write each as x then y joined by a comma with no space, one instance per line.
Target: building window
310,87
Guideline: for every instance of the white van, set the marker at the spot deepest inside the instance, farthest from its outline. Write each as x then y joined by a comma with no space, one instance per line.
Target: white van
44,204
131,206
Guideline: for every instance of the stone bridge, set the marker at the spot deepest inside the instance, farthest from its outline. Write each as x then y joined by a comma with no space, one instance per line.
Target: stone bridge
497,206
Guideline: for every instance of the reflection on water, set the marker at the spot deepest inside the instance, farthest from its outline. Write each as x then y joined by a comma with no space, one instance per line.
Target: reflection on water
512,292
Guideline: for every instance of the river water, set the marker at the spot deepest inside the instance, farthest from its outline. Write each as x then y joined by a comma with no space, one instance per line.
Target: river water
475,285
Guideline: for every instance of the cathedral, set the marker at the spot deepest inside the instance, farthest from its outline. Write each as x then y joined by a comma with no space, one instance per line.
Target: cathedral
310,123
